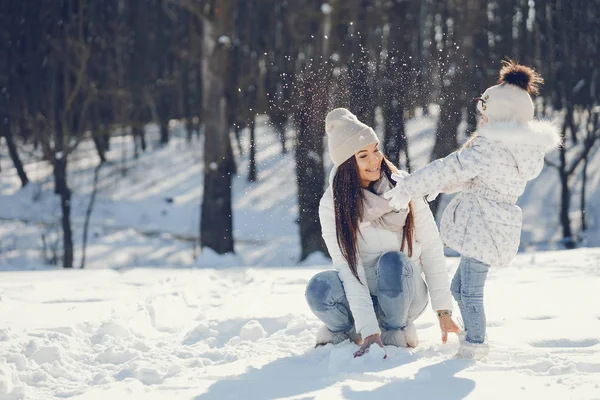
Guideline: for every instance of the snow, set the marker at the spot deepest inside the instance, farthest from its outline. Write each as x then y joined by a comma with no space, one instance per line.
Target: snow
153,316
224,40
245,332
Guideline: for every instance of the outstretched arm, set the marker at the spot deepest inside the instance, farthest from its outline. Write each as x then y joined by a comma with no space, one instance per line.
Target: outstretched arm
449,172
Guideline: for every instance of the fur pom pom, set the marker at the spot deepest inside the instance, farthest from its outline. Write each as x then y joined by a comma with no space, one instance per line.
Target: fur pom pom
521,76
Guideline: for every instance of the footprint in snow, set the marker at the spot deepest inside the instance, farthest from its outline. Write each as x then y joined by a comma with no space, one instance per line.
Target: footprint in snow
540,317
569,343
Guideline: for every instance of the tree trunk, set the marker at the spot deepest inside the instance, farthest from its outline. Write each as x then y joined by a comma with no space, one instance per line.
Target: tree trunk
164,129
88,214
278,120
185,80
583,194
105,137
398,70
199,99
136,134
62,189
565,200
360,91
97,134
14,154
99,144
503,21
253,87
252,166
394,141
524,50
216,227
309,150
65,205
565,204
278,74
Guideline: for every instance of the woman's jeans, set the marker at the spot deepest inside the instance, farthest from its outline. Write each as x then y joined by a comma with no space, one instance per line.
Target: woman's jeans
467,289
401,296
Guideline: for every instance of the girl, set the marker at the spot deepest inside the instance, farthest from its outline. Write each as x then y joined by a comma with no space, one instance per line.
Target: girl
483,222
379,253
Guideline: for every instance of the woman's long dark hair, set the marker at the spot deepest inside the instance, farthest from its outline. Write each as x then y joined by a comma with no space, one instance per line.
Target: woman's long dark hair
348,203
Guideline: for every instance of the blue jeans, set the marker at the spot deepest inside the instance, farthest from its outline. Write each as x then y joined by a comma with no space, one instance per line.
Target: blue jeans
467,289
401,296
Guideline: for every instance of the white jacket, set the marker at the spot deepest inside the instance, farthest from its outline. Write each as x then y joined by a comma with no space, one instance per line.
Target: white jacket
483,221
427,257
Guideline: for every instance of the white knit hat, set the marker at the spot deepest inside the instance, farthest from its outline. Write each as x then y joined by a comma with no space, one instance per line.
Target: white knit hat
506,102
510,100
346,135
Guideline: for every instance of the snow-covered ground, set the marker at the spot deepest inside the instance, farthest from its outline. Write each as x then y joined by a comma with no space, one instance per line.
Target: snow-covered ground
246,333
152,317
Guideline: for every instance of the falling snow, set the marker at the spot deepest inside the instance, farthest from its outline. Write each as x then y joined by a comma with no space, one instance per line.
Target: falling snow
224,40
326,8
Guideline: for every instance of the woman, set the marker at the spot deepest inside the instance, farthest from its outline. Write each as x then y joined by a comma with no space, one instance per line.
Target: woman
379,253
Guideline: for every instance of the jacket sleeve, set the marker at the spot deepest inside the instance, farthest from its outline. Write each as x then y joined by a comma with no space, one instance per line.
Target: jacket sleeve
357,293
432,256
450,172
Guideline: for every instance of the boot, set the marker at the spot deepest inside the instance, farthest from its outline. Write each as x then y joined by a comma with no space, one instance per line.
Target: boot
410,333
394,338
325,336
472,351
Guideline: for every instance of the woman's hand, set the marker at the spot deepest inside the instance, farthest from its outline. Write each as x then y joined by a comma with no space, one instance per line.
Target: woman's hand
369,340
447,324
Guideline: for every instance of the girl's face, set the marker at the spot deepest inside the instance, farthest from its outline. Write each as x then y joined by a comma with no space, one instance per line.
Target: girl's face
369,164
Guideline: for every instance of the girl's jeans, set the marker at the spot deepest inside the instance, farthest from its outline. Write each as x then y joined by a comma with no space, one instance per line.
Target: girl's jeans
401,296
467,289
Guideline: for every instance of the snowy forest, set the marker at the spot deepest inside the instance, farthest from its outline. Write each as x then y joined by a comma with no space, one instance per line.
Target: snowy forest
159,138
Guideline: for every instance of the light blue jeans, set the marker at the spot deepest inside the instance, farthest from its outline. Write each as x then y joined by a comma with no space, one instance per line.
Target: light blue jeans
401,296
467,289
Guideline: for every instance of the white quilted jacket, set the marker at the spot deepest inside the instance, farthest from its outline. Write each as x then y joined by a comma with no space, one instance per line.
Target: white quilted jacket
483,221
428,259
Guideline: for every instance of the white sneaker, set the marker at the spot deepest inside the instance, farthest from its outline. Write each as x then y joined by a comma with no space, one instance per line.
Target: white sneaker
472,351
410,333
394,338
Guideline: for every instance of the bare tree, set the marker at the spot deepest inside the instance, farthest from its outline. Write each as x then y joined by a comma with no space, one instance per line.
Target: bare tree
216,228
398,78
10,95
310,119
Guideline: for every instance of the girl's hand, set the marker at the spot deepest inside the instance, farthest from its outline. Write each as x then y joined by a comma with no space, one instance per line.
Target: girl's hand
397,195
447,324
369,340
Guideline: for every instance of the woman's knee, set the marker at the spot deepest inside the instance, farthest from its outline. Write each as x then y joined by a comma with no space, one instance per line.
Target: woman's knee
320,290
392,268
395,261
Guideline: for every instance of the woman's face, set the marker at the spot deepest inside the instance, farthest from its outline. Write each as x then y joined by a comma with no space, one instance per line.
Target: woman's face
369,164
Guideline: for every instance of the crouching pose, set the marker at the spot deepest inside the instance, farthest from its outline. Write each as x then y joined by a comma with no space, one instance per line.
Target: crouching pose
388,262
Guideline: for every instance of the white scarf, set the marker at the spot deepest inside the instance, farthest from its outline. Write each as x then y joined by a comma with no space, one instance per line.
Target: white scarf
378,211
